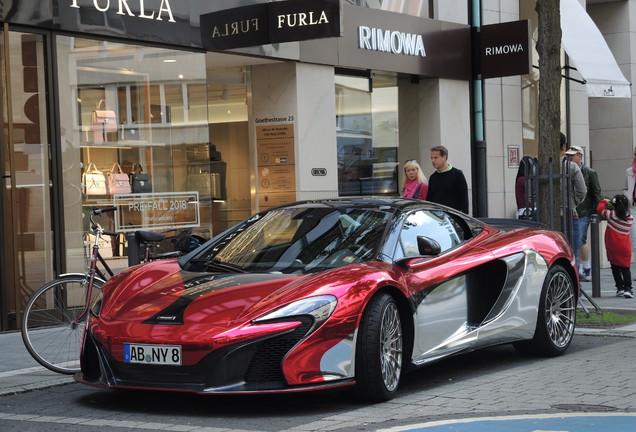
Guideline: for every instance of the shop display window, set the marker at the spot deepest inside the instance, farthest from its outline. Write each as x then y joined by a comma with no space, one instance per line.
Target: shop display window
367,135
135,134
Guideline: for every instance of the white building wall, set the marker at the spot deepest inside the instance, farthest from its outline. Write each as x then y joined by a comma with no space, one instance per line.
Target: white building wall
316,142
304,94
612,121
451,10
503,118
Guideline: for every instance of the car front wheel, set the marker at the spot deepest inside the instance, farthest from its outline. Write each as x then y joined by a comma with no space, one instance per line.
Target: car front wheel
379,350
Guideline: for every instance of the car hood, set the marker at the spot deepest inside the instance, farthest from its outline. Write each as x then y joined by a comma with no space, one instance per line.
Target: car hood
186,297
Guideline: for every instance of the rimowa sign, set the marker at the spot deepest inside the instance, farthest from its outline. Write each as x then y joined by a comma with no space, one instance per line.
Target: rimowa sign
504,49
267,23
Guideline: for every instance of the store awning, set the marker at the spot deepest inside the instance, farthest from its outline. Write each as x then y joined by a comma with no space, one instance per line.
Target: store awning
589,53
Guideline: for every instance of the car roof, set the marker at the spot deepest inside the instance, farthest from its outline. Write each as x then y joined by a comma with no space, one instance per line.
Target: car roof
383,203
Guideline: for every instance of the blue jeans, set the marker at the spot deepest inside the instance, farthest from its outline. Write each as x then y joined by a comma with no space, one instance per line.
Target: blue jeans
575,240
584,224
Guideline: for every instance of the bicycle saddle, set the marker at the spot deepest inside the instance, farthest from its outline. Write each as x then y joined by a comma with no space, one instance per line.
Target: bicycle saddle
149,236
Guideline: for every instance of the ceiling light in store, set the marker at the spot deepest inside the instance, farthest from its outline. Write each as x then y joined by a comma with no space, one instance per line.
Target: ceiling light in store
180,76
169,60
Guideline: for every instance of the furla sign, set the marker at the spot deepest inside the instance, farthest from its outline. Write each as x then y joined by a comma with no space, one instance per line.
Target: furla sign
142,9
261,24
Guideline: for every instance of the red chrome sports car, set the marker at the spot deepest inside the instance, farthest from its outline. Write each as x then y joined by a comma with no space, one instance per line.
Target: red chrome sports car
329,294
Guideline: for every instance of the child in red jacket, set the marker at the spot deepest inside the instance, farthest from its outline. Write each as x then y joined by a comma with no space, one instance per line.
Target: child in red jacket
617,243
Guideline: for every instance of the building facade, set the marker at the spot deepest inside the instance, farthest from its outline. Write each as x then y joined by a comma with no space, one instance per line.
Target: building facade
215,118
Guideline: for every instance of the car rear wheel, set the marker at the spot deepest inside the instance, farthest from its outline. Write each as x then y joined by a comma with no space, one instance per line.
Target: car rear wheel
557,316
379,350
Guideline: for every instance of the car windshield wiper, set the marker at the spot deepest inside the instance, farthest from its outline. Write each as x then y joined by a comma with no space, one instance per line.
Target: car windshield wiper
220,265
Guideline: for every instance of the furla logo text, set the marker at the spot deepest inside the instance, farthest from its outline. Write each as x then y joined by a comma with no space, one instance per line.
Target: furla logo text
123,8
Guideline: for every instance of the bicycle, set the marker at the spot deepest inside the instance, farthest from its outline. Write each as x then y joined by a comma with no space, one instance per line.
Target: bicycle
52,321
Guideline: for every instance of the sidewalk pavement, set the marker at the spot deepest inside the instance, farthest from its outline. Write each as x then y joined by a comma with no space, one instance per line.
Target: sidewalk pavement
19,372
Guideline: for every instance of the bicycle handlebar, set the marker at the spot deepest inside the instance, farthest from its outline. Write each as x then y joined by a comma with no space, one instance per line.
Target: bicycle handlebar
99,211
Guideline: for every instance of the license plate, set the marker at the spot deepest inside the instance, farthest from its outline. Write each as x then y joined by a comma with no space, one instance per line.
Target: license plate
153,354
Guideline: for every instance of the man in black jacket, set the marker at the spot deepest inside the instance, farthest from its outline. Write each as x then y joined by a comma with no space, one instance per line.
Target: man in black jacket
447,185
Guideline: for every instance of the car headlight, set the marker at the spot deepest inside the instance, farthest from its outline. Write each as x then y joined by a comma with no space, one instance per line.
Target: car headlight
96,302
320,308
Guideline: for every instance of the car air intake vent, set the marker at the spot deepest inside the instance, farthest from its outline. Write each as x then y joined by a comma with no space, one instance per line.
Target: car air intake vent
266,363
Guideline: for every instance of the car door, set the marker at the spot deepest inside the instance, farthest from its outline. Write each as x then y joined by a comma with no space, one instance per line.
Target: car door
439,285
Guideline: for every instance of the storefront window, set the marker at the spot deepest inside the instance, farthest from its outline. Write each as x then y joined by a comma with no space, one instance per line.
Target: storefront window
142,110
26,231
367,135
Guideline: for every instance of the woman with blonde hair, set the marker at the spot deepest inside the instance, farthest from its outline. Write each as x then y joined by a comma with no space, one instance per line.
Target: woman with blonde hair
415,183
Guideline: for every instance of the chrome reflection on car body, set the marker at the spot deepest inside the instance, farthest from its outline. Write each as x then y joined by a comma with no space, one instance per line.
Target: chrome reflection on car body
441,325
514,316
391,347
442,313
339,361
560,309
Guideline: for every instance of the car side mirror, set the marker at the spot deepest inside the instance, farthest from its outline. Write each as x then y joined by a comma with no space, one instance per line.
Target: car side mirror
426,246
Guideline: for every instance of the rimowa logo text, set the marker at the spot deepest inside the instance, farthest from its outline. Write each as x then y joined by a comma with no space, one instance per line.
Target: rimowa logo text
164,11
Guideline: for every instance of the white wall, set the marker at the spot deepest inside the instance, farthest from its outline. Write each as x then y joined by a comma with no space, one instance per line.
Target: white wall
306,94
612,122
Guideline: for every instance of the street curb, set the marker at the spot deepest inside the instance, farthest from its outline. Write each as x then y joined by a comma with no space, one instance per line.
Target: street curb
624,331
23,388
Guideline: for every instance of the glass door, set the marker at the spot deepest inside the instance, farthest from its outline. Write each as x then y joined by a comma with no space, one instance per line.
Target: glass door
26,243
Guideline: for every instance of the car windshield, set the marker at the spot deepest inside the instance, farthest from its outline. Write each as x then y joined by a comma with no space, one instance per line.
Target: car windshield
298,239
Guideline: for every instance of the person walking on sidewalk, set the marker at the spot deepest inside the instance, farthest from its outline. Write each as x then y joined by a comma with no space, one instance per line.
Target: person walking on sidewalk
585,210
617,242
447,185
414,181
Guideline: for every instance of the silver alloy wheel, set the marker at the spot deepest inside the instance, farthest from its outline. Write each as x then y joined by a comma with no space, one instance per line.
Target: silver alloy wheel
391,347
560,304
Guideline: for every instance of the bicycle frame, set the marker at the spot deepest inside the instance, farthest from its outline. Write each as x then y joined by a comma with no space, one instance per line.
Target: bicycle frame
93,271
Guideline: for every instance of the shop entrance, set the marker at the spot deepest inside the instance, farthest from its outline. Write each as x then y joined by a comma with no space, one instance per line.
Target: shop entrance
26,235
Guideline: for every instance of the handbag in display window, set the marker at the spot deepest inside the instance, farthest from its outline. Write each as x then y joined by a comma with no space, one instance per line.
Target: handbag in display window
118,181
200,182
129,132
102,122
198,152
139,180
94,181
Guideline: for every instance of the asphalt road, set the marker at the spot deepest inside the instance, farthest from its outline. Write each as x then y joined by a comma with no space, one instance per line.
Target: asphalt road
592,383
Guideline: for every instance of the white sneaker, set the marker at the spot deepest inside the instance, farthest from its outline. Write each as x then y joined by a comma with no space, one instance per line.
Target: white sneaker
620,293
628,294
587,274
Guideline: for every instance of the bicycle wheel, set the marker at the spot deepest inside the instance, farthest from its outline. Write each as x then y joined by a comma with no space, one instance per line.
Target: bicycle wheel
49,330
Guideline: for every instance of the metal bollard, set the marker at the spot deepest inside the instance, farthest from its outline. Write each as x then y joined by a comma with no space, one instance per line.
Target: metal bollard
596,259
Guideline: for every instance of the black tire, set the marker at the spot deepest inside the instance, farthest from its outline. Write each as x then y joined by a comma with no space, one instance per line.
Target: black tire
49,331
556,317
379,360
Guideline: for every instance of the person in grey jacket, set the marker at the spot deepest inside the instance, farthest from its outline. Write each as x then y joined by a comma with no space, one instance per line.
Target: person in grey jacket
572,196
585,209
